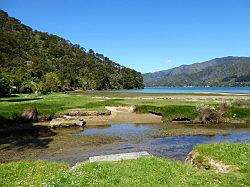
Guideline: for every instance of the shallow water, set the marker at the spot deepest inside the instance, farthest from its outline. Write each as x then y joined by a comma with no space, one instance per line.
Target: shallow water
130,132
139,138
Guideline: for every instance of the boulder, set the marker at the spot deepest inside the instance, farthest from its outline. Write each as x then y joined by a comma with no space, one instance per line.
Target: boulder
29,114
67,121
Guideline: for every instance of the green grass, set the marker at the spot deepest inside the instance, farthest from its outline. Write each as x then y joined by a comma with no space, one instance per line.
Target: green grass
30,173
237,154
146,172
170,112
150,171
238,112
109,102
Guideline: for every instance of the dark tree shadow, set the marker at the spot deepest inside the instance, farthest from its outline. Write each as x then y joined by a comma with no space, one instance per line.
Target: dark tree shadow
20,100
9,96
29,137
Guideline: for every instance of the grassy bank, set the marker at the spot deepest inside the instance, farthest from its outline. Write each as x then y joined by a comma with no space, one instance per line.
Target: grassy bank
142,172
238,112
236,155
170,112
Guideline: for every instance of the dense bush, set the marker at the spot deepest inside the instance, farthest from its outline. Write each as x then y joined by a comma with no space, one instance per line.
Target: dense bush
4,87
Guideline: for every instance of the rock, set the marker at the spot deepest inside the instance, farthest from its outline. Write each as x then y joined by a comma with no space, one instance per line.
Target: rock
44,118
29,114
67,121
118,157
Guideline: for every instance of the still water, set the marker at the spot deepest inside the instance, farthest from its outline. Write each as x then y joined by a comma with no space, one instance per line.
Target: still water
238,90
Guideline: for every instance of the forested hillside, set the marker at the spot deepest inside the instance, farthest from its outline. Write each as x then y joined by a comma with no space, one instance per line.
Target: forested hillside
33,61
226,71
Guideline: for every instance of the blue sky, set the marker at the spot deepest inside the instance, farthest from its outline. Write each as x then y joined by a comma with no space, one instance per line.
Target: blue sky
147,35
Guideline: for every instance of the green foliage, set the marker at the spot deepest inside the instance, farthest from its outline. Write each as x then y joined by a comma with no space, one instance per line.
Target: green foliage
42,88
26,88
4,87
27,55
52,81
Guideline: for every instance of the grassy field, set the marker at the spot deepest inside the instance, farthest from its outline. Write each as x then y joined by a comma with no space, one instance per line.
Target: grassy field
171,106
142,172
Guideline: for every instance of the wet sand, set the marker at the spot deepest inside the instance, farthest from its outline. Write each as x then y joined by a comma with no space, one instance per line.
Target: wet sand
121,115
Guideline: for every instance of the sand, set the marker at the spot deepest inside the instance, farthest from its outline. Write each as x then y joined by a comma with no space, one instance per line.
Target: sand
122,115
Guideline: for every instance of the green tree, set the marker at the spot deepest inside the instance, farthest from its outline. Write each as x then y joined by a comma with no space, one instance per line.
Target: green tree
52,82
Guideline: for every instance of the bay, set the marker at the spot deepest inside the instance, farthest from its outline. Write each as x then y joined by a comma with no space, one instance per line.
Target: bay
234,90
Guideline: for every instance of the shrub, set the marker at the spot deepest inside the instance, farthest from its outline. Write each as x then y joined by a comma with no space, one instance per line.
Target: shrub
40,88
4,87
210,114
26,88
52,82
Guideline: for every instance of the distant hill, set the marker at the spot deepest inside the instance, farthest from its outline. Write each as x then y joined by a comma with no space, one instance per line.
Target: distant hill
226,71
32,59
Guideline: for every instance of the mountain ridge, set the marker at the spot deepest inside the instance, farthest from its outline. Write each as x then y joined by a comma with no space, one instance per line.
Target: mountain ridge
224,71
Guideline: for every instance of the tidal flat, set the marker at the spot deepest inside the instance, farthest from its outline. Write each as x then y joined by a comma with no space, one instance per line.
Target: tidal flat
73,144
135,122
